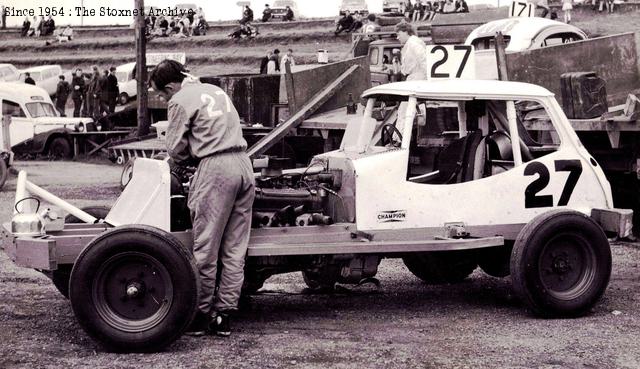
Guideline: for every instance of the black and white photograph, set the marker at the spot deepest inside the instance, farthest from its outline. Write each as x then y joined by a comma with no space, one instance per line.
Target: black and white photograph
348,184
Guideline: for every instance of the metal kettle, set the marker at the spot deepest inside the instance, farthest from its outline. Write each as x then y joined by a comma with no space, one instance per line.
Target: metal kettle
27,224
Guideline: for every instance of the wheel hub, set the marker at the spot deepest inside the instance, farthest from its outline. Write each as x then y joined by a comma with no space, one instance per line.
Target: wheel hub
135,289
561,265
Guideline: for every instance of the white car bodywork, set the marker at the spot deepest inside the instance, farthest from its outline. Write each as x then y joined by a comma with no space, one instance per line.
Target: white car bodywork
46,77
126,81
279,8
520,34
33,113
383,189
354,6
9,73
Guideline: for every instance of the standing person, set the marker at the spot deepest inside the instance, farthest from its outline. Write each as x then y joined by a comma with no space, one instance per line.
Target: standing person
104,88
413,53
272,65
94,92
112,90
62,93
266,13
221,192
566,9
264,62
276,58
77,91
287,58
28,80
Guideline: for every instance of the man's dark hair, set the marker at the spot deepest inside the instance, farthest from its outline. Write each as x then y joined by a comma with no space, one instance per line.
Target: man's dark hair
405,27
61,77
276,51
371,17
113,69
27,74
167,71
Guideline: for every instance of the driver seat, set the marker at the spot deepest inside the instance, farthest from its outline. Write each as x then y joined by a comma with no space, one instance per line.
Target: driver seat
457,162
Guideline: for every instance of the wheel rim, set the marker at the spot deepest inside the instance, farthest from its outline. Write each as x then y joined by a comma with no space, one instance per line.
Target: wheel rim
567,266
132,292
127,173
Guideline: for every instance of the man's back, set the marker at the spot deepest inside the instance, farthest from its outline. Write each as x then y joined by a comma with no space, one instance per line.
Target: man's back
204,122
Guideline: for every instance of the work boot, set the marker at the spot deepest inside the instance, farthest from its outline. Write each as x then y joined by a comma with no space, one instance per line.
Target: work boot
221,325
199,325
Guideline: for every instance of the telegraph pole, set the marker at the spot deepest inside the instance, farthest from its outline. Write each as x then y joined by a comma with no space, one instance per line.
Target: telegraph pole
141,70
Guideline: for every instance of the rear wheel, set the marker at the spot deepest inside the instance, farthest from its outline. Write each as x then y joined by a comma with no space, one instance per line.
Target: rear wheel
60,148
561,264
439,267
134,288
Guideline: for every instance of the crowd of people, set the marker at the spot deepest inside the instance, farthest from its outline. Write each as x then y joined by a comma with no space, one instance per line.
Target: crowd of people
272,63
422,10
93,94
38,27
190,24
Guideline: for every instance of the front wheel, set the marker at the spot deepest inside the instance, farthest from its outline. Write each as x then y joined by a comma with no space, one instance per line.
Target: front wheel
134,289
60,148
561,264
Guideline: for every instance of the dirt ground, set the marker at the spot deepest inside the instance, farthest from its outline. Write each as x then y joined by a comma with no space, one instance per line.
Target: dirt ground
403,324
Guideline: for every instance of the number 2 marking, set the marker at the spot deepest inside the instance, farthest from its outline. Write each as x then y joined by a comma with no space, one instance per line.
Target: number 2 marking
211,103
445,56
531,197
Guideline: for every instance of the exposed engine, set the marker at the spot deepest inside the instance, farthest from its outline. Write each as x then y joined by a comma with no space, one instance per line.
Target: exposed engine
289,200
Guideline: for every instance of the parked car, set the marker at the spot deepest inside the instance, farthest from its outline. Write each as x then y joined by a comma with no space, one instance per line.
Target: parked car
354,6
126,82
36,126
279,9
519,34
9,73
46,77
393,6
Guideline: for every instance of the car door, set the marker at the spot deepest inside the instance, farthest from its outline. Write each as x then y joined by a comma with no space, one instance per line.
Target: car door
21,128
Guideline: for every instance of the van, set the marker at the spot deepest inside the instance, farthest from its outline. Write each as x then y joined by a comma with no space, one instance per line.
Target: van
126,82
46,77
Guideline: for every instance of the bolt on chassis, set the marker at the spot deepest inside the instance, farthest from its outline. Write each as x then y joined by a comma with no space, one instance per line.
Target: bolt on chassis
444,175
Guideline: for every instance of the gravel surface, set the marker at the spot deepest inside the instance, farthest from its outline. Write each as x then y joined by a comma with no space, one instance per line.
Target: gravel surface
403,324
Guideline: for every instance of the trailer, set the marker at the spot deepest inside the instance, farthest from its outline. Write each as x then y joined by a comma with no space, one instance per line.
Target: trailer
404,184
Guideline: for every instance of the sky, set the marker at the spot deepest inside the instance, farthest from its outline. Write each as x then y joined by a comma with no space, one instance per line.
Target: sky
214,9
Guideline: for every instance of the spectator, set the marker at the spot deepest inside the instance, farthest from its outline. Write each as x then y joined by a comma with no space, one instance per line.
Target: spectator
413,54
266,13
26,24
66,34
408,10
94,92
417,11
429,11
357,22
610,5
544,5
247,14
287,58
244,29
264,61
112,91
345,23
276,56
48,26
272,65
566,9
553,15
395,71
190,16
462,7
77,91
38,26
371,25
288,16
28,80
450,7
104,96
62,93
3,16
163,27
86,100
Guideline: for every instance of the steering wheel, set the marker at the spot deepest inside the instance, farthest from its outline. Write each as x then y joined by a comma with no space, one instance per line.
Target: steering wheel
386,135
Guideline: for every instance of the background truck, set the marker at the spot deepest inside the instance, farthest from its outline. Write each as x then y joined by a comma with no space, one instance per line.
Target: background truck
440,174
36,127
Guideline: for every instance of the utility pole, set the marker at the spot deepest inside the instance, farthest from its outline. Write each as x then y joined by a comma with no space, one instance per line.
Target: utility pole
141,70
